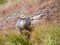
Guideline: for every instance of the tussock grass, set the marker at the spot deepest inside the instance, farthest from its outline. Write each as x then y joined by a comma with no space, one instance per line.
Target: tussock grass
3,2
12,39
46,35
41,35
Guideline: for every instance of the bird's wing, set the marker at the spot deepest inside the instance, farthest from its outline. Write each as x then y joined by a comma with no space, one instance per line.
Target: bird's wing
34,21
37,17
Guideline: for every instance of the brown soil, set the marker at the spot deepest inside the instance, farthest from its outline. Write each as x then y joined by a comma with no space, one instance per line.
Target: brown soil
51,8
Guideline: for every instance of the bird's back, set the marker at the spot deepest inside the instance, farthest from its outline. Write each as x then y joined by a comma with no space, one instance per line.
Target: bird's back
28,22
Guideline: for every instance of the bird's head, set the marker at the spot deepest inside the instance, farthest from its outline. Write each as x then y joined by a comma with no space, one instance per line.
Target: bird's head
23,17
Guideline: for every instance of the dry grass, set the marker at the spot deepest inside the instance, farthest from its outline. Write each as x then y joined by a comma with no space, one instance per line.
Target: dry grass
42,35
12,38
46,35
3,2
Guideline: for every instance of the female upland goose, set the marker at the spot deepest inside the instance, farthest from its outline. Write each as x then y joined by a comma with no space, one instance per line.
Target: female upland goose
24,22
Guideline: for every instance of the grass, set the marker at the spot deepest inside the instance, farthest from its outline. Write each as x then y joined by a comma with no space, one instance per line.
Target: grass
12,39
42,35
3,2
46,35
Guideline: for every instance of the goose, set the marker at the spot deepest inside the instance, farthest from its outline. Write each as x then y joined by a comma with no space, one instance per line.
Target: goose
24,22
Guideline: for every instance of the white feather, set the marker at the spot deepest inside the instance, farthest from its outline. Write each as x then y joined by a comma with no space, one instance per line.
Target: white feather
34,21
36,17
20,23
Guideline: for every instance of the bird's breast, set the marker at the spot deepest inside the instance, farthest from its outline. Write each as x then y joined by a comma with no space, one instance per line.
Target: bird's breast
22,23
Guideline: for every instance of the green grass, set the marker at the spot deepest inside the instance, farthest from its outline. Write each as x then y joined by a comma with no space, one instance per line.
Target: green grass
42,35
46,35
8,39
3,2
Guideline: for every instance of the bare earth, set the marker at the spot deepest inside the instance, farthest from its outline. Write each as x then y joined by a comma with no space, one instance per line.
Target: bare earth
10,12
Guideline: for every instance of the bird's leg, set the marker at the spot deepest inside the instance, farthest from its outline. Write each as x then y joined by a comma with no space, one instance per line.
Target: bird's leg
30,31
20,29
27,35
